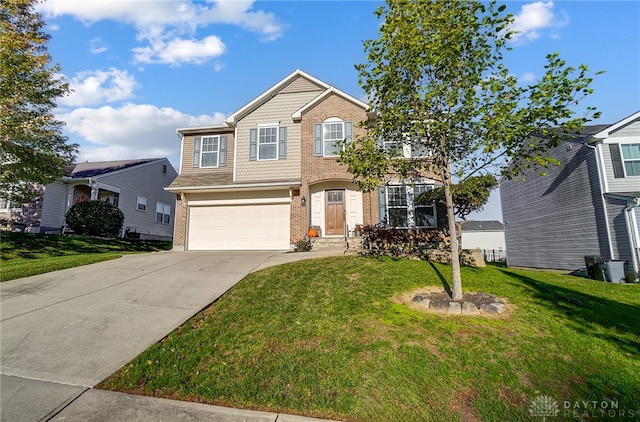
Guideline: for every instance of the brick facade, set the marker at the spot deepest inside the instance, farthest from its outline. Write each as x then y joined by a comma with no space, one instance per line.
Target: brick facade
318,169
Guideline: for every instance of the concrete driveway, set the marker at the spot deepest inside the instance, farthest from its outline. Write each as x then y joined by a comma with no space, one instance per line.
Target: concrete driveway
64,332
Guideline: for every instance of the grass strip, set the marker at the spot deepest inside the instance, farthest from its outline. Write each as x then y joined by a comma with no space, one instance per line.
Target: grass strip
25,267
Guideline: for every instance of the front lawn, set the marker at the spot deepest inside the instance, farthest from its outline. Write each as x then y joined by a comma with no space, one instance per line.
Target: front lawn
324,338
25,254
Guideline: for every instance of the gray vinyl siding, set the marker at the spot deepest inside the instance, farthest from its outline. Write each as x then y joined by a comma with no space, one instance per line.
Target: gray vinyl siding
553,221
624,184
54,206
147,181
630,129
619,231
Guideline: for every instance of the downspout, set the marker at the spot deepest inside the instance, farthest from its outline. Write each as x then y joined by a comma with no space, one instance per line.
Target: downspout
633,241
601,176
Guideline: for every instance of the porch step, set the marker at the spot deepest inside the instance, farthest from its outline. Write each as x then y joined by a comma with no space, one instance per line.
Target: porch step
325,243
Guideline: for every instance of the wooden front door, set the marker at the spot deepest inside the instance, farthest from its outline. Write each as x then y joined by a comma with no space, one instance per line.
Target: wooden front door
334,212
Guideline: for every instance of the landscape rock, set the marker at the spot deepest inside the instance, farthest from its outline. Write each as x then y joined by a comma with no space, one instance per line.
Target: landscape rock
494,308
469,308
421,300
439,306
454,307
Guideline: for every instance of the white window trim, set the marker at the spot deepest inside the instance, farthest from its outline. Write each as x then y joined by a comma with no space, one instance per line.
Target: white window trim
624,160
141,201
329,121
277,143
410,207
203,152
166,211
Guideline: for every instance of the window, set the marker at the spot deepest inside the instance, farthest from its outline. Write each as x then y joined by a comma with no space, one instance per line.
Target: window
328,135
403,211
210,151
142,203
163,213
425,215
332,135
397,206
631,159
268,143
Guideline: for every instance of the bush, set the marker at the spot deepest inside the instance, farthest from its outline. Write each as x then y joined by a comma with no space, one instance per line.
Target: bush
95,218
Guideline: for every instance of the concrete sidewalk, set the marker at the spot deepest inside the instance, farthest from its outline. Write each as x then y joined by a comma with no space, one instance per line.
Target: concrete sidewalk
64,332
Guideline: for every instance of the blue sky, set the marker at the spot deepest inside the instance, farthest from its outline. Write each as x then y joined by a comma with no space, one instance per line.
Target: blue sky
140,69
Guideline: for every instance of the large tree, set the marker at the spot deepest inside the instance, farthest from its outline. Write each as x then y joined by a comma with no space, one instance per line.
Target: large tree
33,148
437,82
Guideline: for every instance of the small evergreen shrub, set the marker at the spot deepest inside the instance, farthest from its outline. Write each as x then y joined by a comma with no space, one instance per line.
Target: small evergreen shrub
95,218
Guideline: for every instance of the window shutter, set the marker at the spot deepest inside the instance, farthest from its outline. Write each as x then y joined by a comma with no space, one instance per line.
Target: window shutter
616,160
253,144
317,140
222,159
382,206
282,148
196,152
348,131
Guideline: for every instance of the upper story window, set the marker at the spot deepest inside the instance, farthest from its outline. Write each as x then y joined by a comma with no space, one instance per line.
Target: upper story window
631,159
268,143
329,134
332,135
210,151
141,203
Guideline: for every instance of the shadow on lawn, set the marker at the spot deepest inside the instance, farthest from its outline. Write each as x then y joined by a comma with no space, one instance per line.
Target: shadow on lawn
583,309
445,284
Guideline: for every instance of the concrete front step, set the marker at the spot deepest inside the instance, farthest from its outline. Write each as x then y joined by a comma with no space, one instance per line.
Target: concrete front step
324,243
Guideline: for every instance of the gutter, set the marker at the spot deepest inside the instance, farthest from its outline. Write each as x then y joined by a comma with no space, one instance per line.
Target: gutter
233,187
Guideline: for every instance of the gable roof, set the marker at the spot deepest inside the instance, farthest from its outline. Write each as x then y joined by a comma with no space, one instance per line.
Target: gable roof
487,226
232,119
83,170
608,130
297,115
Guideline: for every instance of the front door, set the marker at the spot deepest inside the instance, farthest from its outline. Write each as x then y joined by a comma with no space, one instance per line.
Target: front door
334,213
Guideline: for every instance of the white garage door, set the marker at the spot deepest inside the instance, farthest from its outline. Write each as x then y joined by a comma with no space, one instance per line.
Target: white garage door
239,227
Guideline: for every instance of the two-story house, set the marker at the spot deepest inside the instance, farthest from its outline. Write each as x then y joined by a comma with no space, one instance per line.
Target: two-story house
588,205
270,171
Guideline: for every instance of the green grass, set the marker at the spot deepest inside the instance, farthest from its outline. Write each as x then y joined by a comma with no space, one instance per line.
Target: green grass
25,254
324,338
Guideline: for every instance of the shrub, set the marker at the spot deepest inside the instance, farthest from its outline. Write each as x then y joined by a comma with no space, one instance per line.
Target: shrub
95,218
303,245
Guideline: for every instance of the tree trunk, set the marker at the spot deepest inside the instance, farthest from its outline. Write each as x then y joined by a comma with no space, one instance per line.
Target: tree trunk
456,277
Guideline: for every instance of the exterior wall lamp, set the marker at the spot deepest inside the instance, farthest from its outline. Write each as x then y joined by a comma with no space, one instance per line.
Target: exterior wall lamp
303,201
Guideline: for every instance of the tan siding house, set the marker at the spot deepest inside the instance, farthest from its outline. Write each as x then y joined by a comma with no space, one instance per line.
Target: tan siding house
280,174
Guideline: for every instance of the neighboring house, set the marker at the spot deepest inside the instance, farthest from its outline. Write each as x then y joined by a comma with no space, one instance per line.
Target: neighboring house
588,205
134,186
261,179
486,235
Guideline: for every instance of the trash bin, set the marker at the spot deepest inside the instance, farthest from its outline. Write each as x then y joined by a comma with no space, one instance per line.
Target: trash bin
592,263
614,271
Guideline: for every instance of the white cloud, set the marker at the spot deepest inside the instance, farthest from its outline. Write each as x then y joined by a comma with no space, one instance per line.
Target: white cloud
527,77
98,87
163,25
130,131
178,51
533,18
97,46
